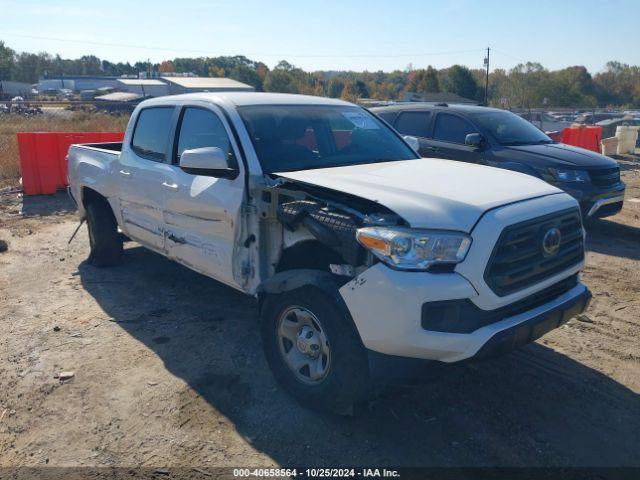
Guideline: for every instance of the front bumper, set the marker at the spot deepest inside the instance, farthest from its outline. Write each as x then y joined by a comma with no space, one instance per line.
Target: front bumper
535,327
386,308
596,202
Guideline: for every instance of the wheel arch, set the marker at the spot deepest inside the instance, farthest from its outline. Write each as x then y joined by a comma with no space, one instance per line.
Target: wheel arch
89,195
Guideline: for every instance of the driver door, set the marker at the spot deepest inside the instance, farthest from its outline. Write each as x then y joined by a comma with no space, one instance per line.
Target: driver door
202,212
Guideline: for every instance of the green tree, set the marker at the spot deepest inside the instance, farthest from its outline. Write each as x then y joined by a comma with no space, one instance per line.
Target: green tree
349,92
460,80
335,87
7,61
431,82
248,75
29,67
279,80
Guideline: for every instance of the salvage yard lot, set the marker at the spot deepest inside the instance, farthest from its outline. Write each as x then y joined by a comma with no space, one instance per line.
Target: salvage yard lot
168,369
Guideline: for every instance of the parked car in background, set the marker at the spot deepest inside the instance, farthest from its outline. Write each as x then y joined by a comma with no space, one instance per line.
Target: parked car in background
593,118
353,247
490,136
545,121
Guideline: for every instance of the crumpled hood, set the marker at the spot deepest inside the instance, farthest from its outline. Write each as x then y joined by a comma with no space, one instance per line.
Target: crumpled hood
559,152
430,193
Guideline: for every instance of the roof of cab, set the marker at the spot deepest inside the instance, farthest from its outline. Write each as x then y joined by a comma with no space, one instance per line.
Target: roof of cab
247,98
417,106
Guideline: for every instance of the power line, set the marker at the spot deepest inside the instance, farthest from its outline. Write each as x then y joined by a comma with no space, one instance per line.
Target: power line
255,54
509,55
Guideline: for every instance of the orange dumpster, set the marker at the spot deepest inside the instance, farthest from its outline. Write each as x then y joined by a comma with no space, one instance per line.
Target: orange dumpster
43,157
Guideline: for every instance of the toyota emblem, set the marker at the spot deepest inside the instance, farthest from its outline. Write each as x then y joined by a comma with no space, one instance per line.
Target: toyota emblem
551,241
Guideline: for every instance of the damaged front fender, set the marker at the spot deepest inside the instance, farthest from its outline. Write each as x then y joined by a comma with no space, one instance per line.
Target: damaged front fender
292,279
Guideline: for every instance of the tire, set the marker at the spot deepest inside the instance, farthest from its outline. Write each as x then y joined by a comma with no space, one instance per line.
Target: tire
104,239
345,381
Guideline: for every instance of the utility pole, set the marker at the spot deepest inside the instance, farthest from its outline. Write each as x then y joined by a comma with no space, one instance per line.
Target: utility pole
486,82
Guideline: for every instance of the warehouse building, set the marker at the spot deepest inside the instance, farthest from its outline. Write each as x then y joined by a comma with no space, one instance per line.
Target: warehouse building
77,83
205,84
146,87
14,89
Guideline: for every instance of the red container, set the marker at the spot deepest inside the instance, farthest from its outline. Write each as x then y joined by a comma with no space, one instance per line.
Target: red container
588,137
43,157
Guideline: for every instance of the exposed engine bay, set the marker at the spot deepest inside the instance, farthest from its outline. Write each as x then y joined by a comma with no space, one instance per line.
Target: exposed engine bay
306,213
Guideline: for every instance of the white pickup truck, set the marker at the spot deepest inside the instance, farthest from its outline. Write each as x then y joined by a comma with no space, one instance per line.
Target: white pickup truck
354,247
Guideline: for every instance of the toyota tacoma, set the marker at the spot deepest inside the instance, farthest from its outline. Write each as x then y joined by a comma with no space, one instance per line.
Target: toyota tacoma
351,244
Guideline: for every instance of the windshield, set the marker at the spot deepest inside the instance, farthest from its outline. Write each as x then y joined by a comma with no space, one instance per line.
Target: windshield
302,137
510,129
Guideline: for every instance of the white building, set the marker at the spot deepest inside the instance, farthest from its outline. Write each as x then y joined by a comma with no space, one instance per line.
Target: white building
205,84
143,86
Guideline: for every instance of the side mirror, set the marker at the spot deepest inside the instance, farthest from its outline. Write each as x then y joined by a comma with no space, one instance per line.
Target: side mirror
413,142
474,140
210,161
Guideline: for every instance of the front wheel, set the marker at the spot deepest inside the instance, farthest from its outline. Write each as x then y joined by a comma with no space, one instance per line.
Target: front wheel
313,350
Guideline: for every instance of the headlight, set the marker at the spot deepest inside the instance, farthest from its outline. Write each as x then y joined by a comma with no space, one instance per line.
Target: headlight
408,249
569,175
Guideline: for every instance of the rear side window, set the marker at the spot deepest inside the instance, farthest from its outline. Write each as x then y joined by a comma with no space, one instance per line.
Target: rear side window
152,132
451,128
413,123
386,116
201,128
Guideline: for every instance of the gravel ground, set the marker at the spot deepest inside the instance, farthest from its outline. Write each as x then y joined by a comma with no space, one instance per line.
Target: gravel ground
168,370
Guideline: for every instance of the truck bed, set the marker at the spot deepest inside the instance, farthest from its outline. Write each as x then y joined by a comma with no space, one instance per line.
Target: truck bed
90,164
109,147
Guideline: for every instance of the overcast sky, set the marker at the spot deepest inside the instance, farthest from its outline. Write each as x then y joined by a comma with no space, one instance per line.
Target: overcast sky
333,34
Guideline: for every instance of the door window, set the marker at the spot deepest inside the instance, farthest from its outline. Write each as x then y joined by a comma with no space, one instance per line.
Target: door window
413,123
201,128
451,128
387,116
151,134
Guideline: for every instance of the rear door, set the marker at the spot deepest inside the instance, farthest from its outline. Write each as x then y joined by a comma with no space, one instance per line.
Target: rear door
142,171
201,212
416,123
449,133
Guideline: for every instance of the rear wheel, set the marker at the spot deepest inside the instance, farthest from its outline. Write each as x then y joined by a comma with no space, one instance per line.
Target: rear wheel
313,350
104,239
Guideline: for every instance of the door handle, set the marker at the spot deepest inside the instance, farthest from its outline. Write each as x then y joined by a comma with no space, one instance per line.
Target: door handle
432,149
170,186
125,173
175,239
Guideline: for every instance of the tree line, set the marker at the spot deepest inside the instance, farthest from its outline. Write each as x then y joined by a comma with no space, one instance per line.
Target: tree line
527,85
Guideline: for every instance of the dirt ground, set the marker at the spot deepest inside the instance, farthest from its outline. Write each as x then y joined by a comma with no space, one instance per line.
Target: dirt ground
169,370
